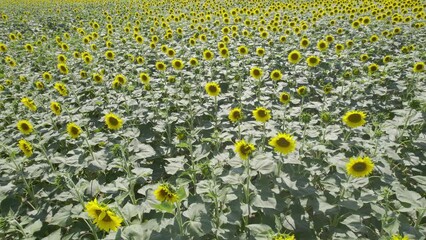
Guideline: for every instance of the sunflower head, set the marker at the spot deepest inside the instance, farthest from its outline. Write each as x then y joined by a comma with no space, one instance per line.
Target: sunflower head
359,167
283,143
109,55
302,91
25,147
276,75
285,98
354,119
73,130
260,52
244,149
294,56
161,66
165,192
313,61
212,89
121,79
243,50
61,88
372,68
63,68
208,55
256,72
108,221
113,121
56,108
322,45
25,127
262,114
419,67
193,61
178,64
144,77
235,115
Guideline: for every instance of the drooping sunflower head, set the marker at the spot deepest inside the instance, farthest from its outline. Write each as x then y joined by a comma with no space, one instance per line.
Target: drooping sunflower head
113,121
61,88
144,77
63,68
235,115
313,61
283,143
178,64
56,108
262,114
244,149
25,147
25,127
212,89
359,167
419,67
354,119
165,192
294,57
276,75
73,130
285,98
29,104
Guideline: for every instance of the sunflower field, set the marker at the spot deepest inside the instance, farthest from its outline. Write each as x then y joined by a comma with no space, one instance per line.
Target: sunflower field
213,119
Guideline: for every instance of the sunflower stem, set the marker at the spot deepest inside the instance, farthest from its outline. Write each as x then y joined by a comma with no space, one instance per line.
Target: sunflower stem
247,195
179,218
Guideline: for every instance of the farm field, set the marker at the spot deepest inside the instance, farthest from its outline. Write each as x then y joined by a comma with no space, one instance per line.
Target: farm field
181,119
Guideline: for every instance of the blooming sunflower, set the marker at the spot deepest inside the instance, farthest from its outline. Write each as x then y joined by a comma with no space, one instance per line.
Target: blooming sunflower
178,64
302,90
25,147
387,59
243,50
284,98
283,143
144,77
313,61
98,78
224,52
113,121
73,130
94,209
276,75
244,149
372,68
260,51
25,127
364,57
235,115
29,104
164,192
161,66
121,79
39,85
208,55
193,61
108,220
47,76
294,57
419,67
354,118
359,167
62,58
56,108
304,43
262,114
322,45
212,89
61,88
109,55
63,68
256,72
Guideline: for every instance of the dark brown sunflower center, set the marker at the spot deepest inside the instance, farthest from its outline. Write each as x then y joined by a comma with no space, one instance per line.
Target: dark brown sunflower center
304,43
144,78
245,149
113,121
282,142
236,115
313,60
97,78
419,67
63,69
107,218
212,88
224,51
339,47
27,147
359,167
276,74
62,59
301,90
120,79
75,130
208,55
294,56
284,97
322,45
87,59
178,64
160,66
355,117
110,55
98,212
25,126
373,68
256,72
261,113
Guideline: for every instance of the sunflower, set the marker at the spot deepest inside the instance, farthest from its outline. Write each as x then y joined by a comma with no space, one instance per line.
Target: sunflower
109,55
87,58
339,48
304,43
372,68
63,68
25,127
327,88
387,59
285,98
224,52
276,75
355,24
294,57
161,66
113,121
193,61
98,78
56,108
170,52
25,147
61,88
260,51
29,48
364,57
208,55
235,114
359,167
62,58
256,72
144,77
212,89
302,91
121,79
178,64
73,130
244,149
165,192
243,50
313,61
419,67
262,114
322,45
29,104
399,237
83,74
374,38
108,220
39,85
282,236
283,143
354,118
3,47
